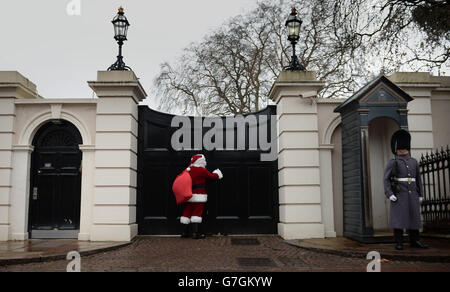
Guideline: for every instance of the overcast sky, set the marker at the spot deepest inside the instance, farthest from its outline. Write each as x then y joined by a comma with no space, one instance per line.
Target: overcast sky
60,53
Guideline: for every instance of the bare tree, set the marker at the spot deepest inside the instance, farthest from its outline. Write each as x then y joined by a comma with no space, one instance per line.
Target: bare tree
227,72
345,41
424,27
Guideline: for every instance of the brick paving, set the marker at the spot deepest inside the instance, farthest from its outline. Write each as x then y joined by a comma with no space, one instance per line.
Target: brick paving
438,251
217,254
16,252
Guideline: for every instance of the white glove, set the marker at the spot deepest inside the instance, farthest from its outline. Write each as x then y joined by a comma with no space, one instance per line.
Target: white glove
421,199
219,173
393,198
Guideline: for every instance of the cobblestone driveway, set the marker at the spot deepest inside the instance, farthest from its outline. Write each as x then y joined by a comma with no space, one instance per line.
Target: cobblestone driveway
216,254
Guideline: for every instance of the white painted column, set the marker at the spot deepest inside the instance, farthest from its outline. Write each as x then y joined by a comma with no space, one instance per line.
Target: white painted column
20,192
87,191
6,137
299,157
13,171
420,121
115,180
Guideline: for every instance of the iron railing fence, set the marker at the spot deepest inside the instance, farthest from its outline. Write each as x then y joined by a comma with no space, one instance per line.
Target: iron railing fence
436,184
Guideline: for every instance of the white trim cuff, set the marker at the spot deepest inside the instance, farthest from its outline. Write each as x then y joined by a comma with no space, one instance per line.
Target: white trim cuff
219,173
195,219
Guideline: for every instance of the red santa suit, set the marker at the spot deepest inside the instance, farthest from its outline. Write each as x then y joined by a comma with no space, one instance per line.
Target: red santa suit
193,209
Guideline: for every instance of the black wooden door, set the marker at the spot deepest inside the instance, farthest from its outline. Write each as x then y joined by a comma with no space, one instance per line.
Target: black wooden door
56,178
244,202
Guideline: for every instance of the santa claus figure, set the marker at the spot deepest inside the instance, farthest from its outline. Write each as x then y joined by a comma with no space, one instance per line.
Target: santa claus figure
193,209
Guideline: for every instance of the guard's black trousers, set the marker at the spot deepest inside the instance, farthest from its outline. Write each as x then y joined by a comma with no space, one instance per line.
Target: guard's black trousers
414,236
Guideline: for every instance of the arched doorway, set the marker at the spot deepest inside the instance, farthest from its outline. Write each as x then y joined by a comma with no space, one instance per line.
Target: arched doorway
338,199
55,181
381,131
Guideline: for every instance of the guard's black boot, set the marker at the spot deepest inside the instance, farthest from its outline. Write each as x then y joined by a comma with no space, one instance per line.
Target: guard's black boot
196,234
398,234
414,239
418,244
186,233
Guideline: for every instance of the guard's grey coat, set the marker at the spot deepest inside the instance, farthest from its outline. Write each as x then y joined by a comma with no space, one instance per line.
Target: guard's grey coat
405,213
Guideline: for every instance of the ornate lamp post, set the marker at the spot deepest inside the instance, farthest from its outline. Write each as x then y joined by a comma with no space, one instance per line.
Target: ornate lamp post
121,25
293,25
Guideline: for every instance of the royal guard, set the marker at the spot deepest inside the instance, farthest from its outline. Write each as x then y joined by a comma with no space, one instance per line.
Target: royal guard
193,209
403,187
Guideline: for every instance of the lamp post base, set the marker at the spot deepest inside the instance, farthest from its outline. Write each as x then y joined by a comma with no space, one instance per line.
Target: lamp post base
119,65
295,65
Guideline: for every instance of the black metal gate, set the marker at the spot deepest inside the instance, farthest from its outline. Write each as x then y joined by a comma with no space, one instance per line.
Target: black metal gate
435,171
244,202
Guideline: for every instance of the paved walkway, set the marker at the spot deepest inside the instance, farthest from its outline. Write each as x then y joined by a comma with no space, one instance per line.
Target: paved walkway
438,251
216,254
37,250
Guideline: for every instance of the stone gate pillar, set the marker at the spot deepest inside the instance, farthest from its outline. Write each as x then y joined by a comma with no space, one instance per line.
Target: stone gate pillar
14,161
115,181
299,154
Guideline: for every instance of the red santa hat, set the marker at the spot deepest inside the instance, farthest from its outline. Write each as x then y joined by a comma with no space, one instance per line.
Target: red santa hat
198,160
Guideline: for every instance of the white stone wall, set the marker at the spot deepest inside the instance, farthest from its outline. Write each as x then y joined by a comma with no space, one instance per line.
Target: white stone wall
440,108
299,155
426,126
115,181
298,142
328,122
108,126
428,121
6,135
31,114
420,121
13,86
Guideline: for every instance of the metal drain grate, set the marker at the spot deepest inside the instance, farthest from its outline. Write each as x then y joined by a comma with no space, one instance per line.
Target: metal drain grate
291,261
256,262
245,241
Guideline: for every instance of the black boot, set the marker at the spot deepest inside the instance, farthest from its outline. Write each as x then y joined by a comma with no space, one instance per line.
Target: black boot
398,234
196,233
186,231
414,239
418,244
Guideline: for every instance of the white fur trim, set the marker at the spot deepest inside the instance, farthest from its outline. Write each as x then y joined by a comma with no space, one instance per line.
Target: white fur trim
195,219
201,162
185,220
218,172
196,198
